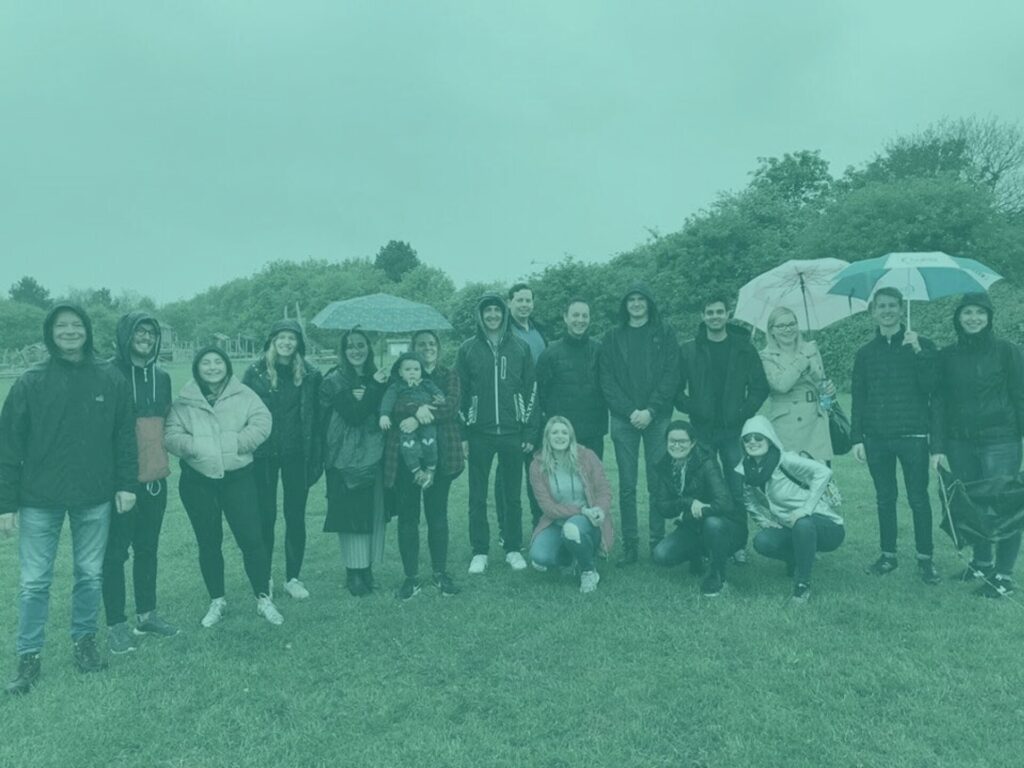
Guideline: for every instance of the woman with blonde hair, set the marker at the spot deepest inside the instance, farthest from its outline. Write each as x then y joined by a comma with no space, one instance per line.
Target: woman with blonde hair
575,501
796,378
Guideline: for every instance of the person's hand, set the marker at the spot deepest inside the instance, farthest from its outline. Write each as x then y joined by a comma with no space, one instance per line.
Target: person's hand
8,524
829,388
697,509
425,414
859,453
124,501
380,376
940,460
358,393
643,419
594,514
409,425
911,338
465,449
385,423
634,419
527,447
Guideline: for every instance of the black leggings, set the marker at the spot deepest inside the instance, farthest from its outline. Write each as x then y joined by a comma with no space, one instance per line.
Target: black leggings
435,508
233,496
292,470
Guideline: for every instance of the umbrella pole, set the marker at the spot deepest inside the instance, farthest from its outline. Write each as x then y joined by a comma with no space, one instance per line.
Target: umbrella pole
908,314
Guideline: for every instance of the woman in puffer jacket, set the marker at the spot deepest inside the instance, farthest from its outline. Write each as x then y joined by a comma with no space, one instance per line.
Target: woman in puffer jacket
214,426
785,494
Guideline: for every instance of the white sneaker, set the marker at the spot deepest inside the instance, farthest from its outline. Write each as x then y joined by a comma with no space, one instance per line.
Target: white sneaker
296,589
739,557
538,567
218,607
265,607
588,581
478,564
515,561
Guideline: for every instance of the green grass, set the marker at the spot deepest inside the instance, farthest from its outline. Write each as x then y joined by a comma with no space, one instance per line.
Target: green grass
522,670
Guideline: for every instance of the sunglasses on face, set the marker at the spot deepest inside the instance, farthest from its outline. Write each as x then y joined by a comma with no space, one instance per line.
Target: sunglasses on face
753,437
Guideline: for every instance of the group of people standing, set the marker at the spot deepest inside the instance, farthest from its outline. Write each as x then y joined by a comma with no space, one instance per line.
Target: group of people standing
89,439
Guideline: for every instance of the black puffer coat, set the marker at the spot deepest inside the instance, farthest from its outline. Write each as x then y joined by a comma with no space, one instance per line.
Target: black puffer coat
568,385
703,481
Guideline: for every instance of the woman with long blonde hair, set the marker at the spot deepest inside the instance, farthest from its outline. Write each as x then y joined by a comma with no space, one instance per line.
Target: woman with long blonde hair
575,501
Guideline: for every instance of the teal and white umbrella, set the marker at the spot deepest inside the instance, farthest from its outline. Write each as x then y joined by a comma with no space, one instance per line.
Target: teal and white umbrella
918,276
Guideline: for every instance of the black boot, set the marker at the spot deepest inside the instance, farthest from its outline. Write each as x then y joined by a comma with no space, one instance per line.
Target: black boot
87,656
368,579
629,555
354,582
28,673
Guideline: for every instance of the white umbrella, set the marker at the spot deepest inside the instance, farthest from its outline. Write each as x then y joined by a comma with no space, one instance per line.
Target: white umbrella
800,285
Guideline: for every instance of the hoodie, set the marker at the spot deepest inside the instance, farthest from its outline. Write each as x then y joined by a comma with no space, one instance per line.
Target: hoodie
639,368
296,414
151,395
67,431
794,489
980,391
497,382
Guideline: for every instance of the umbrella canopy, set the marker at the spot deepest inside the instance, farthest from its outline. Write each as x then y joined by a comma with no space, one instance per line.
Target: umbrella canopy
380,312
983,510
918,276
799,285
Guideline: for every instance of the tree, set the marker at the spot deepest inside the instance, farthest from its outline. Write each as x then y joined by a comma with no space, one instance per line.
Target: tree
396,259
28,291
22,323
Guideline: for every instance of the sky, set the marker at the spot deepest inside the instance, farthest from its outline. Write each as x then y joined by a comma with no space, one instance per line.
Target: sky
163,148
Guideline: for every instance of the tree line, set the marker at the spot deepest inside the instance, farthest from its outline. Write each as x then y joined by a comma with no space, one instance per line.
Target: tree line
956,186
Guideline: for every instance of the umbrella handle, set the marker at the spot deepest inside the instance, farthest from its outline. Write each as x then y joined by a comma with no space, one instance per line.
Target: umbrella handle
908,314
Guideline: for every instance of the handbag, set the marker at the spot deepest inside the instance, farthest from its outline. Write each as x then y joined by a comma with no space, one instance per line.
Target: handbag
839,429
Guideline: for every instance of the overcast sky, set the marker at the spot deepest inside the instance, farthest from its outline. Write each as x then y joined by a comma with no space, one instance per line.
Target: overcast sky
166,147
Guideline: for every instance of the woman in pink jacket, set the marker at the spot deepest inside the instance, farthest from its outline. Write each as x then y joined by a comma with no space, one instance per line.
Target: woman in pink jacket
575,500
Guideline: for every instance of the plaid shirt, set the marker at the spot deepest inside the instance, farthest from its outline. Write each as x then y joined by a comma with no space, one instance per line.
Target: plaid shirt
450,461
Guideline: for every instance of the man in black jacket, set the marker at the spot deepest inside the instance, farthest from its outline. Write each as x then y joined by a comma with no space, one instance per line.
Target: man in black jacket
567,380
639,372
893,380
138,348
722,384
499,412
67,447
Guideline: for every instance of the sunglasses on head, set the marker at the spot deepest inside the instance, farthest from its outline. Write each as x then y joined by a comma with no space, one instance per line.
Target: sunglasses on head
754,437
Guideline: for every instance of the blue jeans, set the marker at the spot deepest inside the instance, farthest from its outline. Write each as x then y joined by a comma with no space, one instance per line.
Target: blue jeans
912,454
626,439
37,550
797,546
970,460
552,548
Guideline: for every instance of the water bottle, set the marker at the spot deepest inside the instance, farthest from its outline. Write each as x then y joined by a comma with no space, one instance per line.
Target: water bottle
824,400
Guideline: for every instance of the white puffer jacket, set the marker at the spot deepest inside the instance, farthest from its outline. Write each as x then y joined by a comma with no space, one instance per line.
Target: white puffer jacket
218,438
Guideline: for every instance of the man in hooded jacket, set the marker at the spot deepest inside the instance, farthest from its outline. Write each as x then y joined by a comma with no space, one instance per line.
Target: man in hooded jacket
138,349
67,448
500,416
639,374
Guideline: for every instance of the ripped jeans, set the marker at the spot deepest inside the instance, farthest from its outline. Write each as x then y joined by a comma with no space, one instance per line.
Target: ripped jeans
562,542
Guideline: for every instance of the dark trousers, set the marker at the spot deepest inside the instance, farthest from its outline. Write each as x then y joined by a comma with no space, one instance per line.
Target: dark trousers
971,460
714,536
233,496
139,530
408,497
419,449
797,546
912,454
594,443
626,439
726,444
500,495
482,450
292,471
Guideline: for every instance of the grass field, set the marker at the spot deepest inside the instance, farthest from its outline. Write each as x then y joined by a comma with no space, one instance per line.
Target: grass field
522,670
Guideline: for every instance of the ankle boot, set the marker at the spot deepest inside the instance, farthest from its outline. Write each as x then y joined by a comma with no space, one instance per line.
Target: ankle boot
28,673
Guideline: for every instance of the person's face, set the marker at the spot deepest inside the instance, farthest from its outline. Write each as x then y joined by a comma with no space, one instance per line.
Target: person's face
785,330
886,311
357,349
973,319
577,318
285,344
410,372
143,340
521,304
492,317
68,333
716,315
755,444
558,436
426,347
212,369
636,306
679,444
